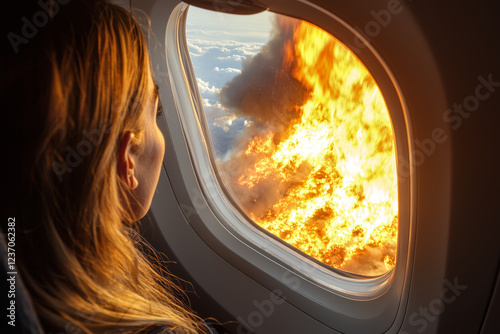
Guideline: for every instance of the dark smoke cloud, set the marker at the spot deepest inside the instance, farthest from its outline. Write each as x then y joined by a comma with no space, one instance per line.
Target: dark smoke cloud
266,91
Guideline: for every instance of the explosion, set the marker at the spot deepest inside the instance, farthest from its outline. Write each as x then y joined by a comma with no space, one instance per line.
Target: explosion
318,168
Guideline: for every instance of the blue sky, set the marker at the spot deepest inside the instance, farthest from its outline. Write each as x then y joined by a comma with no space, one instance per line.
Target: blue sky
218,44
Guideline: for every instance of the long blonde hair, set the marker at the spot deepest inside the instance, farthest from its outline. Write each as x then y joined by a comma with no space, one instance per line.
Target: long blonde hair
77,249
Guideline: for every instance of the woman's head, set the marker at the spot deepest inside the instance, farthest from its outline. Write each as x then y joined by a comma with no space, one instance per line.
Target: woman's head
139,163
92,160
102,86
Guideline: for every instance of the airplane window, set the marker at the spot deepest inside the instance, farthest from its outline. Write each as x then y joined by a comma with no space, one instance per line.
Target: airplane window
301,136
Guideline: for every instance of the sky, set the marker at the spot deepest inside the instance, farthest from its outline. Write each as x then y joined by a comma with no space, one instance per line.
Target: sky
218,44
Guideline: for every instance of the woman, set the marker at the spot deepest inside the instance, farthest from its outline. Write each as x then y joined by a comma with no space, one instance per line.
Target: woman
92,159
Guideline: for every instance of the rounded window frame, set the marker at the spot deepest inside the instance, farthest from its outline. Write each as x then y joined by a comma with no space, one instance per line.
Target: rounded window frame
321,279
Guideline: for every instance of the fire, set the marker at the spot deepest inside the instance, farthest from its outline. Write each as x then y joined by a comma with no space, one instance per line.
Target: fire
333,168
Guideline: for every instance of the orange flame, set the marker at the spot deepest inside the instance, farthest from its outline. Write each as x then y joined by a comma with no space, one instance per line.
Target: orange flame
335,167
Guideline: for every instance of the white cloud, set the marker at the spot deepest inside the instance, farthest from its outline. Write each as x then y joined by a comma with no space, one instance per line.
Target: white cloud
200,46
224,43
248,123
217,62
205,87
225,121
249,50
196,49
233,57
206,103
227,69
206,32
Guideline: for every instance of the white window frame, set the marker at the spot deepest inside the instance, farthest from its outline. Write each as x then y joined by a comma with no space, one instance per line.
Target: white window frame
227,231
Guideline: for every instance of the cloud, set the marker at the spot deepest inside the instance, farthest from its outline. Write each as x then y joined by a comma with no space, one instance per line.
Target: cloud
265,90
205,87
234,50
206,32
195,50
217,62
249,50
238,58
206,103
227,69
224,121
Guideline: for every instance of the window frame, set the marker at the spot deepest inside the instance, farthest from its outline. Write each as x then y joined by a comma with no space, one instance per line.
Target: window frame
244,246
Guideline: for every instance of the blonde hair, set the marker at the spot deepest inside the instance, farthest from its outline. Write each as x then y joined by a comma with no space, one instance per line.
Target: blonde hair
77,249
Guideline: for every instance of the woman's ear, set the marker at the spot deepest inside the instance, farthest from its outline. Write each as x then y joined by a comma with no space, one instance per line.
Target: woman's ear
126,161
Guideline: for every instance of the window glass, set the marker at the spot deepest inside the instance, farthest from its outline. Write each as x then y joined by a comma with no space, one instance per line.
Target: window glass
301,136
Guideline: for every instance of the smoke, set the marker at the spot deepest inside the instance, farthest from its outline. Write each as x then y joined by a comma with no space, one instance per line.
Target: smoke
265,90
267,95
